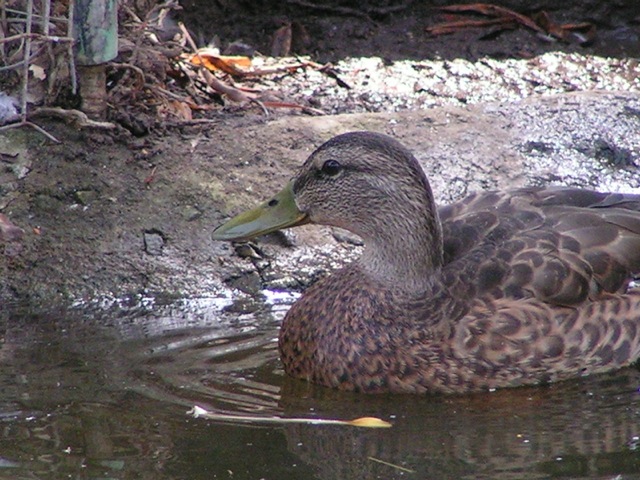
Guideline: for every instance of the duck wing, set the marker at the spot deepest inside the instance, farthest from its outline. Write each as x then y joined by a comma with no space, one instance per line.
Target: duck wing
559,245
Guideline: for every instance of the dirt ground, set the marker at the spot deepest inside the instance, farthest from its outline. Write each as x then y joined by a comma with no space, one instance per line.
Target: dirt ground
117,215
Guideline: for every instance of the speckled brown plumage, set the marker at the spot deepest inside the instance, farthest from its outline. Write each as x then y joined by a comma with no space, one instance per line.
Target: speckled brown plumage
498,290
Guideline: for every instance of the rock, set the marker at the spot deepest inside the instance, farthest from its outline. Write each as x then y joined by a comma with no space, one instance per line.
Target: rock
8,110
190,213
248,283
153,242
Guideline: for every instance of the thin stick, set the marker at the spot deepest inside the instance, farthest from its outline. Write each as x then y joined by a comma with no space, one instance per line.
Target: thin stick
74,117
25,67
138,71
389,464
45,17
32,125
42,131
194,121
5,29
72,60
38,36
370,422
45,30
35,15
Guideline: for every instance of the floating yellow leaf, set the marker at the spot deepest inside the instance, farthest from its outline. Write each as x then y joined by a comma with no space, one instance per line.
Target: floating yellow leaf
369,422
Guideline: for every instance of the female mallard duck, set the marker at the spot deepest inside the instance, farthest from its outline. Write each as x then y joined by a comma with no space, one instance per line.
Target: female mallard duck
500,289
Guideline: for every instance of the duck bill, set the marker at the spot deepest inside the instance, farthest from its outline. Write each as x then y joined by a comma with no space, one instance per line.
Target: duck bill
275,214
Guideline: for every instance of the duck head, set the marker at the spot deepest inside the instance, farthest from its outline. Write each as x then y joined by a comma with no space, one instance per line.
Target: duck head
364,182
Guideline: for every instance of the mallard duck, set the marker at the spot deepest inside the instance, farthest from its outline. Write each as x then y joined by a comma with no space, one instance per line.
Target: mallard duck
501,289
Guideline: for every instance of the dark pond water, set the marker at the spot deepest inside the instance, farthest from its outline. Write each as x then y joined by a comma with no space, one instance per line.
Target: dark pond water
88,395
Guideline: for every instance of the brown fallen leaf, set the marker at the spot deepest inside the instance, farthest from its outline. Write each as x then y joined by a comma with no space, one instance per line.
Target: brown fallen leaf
295,106
542,23
495,11
454,26
232,93
581,33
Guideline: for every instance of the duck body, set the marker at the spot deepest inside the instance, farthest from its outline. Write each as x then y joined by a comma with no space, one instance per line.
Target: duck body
501,289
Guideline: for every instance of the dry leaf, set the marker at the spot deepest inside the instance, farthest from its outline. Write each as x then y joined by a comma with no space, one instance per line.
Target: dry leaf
212,60
38,72
369,422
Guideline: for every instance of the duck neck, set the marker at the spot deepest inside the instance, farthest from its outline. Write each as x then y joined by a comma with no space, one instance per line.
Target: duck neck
405,252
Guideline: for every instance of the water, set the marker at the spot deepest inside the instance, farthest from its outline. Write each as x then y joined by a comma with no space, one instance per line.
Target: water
104,395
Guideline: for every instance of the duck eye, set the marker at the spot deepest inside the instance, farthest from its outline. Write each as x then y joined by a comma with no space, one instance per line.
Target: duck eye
331,167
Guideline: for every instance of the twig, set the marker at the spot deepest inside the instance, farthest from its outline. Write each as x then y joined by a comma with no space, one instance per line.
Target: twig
74,117
231,92
193,121
35,15
137,70
329,71
495,10
25,67
4,27
36,36
42,131
72,60
389,464
32,125
294,106
261,105
45,29
277,69
455,26
131,13
488,10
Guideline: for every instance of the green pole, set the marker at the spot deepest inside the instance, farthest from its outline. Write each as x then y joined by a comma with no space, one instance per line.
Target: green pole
95,31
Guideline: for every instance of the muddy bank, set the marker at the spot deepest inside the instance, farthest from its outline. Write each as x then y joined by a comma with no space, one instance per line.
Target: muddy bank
112,216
